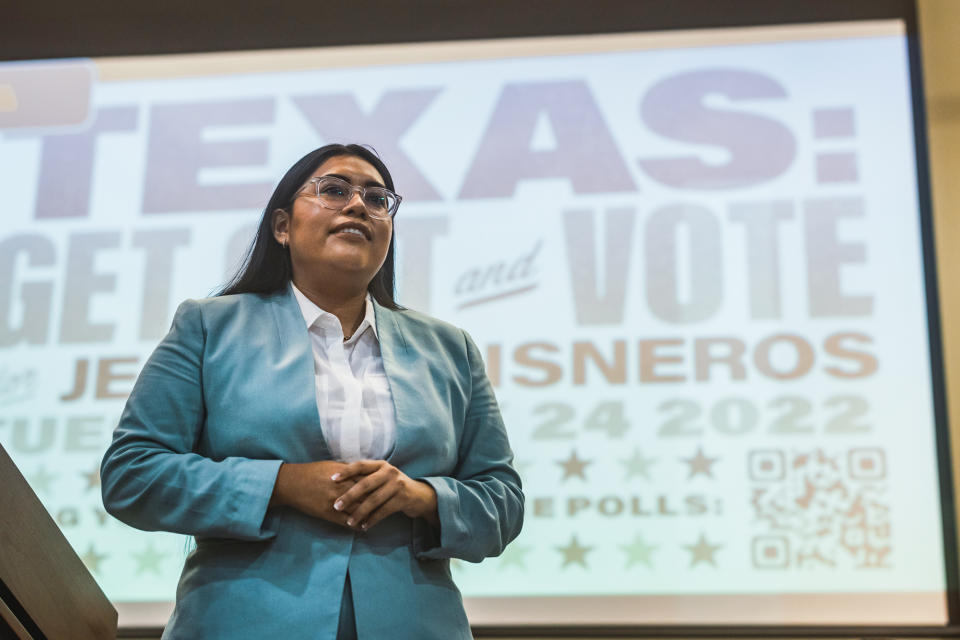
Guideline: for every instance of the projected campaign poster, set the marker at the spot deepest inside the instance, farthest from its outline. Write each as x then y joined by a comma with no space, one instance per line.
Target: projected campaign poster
693,266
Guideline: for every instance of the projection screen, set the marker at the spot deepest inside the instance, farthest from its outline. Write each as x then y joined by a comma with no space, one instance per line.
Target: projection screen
693,261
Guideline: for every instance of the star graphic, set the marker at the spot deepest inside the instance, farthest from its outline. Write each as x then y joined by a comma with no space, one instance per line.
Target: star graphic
41,479
703,551
700,463
92,559
515,554
638,465
638,552
92,477
573,466
148,560
573,552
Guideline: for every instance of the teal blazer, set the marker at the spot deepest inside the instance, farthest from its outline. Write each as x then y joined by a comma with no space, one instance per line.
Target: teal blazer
228,395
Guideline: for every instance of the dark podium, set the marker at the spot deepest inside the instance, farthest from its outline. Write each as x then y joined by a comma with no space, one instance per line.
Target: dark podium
46,591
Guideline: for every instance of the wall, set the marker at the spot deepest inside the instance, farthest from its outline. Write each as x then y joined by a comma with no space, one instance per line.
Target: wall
940,26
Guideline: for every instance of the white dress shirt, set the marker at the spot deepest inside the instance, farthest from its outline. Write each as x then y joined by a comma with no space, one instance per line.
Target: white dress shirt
353,394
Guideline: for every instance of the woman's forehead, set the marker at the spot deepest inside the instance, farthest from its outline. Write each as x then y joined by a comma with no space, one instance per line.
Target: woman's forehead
355,168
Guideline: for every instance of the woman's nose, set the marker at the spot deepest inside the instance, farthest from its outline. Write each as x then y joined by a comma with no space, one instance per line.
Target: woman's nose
355,203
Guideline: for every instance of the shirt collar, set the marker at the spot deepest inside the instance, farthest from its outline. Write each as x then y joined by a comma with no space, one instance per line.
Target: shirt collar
311,312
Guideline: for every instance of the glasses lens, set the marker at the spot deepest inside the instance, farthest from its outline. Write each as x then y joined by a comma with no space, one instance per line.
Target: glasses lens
379,201
334,192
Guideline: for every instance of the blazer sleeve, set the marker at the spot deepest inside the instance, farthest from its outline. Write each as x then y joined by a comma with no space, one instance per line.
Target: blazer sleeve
151,477
481,505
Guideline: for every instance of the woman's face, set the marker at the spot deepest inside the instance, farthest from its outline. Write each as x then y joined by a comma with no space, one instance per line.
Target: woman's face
324,242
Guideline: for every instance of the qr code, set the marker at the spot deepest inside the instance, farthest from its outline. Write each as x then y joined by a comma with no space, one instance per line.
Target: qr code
820,509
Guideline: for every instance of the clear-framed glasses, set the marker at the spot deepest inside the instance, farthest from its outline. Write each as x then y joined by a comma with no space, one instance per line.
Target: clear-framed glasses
335,193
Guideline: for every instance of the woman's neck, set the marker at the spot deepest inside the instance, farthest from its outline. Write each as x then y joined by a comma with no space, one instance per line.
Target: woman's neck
348,305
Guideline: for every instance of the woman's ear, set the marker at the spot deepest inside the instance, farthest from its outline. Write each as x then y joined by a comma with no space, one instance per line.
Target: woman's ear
280,223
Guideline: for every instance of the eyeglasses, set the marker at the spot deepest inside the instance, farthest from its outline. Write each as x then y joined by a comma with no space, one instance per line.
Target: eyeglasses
335,193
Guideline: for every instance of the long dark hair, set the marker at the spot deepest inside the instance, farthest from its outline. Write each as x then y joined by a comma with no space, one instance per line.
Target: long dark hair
266,266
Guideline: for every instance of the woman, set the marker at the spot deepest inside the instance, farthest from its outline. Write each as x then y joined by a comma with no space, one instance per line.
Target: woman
329,450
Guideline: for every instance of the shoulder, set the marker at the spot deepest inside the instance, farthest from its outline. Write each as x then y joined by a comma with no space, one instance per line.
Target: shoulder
411,319
421,330
234,302
218,310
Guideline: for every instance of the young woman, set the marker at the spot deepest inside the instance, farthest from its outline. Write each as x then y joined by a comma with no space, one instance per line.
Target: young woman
329,450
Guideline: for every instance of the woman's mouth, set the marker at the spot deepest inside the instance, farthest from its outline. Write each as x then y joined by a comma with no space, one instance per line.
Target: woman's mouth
352,229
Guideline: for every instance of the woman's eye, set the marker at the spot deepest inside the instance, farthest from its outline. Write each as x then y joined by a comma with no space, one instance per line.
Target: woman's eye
377,199
332,190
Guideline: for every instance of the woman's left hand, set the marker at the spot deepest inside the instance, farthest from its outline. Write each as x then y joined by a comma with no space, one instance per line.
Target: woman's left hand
382,490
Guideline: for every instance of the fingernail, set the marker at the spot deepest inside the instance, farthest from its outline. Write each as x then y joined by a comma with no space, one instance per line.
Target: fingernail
338,505
364,526
350,522
335,477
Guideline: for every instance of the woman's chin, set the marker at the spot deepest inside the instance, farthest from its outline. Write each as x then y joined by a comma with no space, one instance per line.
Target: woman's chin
354,267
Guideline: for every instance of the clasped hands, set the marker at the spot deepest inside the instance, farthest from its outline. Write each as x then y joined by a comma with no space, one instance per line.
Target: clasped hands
357,495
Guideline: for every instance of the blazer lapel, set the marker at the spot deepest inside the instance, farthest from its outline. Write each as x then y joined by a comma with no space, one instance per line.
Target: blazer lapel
399,365
296,357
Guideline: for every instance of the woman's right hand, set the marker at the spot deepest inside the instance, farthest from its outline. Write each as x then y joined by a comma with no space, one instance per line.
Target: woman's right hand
307,487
